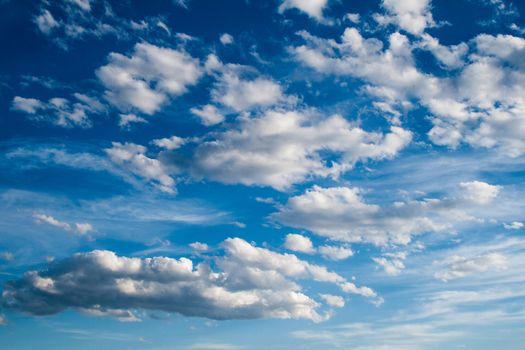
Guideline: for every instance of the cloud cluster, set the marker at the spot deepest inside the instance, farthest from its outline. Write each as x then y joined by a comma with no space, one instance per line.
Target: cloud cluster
59,111
79,227
133,158
279,149
251,282
341,214
459,266
146,80
313,8
481,103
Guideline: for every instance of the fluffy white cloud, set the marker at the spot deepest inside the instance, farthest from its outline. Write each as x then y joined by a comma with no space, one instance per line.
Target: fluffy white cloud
241,94
170,143
146,80
480,104
314,8
58,111
335,252
208,114
126,120
252,282
340,213
299,243
201,247
459,266
479,192
133,158
414,16
333,300
279,149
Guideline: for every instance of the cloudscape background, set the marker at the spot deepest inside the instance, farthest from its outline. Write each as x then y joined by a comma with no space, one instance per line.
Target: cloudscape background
280,174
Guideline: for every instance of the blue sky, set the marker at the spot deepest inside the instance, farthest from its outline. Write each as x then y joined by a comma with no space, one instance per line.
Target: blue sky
284,174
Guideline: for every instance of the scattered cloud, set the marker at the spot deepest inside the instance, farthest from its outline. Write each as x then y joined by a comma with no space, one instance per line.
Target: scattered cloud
252,283
147,79
299,243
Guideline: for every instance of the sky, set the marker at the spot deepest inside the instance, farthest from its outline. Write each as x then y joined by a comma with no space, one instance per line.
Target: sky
280,174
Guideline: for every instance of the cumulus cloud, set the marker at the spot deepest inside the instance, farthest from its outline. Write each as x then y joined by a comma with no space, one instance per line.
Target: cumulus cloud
333,300
299,243
314,8
480,104
208,114
126,120
335,252
479,192
169,143
147,79
239,94
414,16
458,266
201,247
342,214
279,149
133,158
59,111
251,282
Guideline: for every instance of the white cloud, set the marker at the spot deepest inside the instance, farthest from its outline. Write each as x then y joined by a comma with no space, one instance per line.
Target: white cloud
481,103
48,219
458,266
335,252
27,105
515,225
3,320
333,300
46,22
414,16
201,247
392,263
83,228
208,114
125,120
170,143
250,282
299,243
226,39
341,214
279,149
149,78
133,158
241,94
58,111
479,192
314,8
